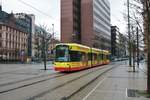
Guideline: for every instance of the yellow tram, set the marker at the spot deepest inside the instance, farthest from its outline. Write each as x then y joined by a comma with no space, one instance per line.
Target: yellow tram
73,57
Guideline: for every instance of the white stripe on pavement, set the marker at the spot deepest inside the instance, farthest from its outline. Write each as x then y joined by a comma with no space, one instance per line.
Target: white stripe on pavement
93,89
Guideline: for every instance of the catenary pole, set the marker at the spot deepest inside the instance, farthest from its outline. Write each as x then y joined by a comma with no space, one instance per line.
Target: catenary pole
137,40
130,60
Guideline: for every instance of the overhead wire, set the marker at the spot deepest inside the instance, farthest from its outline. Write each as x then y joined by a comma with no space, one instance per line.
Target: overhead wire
29,5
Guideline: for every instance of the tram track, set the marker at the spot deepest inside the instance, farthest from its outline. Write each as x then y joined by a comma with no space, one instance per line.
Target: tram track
23,80
87,84
68,82
32,83
12,71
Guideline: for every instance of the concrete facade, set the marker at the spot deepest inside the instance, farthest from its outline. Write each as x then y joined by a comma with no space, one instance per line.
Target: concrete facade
118,43
114,38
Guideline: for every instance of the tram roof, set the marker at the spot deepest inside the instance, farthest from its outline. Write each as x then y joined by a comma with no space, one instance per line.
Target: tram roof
95,50
106,52
83,48
75,46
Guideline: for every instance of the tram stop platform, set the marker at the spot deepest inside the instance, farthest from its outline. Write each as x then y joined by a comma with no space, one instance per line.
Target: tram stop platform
121,84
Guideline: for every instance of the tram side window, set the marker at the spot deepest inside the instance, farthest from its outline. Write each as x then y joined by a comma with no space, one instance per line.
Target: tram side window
104,57
84,56
107,57
89,56
100,57
94,56
75,56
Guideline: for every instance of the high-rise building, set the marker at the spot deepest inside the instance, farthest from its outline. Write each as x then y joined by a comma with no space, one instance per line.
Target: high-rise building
86,22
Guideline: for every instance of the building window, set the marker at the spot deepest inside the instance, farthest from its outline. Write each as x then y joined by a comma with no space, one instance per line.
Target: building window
3,27
0,35
0,43
10,37
6,35
8,29
6,44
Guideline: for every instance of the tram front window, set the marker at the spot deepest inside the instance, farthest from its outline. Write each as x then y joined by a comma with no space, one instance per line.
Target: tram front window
61,54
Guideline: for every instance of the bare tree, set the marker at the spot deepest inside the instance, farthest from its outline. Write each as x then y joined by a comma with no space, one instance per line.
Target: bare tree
138,14
136,21
42,42
146,4
146,15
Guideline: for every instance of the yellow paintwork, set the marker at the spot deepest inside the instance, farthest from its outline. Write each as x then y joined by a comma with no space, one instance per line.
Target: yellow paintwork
76,47
70,64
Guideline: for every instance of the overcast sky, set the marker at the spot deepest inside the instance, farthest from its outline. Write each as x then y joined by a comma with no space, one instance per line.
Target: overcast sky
50,11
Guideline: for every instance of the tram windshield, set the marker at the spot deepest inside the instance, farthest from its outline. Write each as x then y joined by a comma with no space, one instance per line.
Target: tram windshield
61,53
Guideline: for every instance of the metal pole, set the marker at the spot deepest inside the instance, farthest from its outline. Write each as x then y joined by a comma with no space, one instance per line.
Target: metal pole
45,58
133,50
134,55
44,49
137,39
53,37
129,34
1,2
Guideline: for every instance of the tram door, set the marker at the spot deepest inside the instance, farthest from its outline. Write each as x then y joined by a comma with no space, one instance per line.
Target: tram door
84,60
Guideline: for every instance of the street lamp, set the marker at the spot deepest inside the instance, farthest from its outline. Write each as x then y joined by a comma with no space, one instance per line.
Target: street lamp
129,33
53,36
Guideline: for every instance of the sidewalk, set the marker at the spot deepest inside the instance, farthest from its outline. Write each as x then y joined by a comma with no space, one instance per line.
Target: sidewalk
120,84
143,66
10,73
20,67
